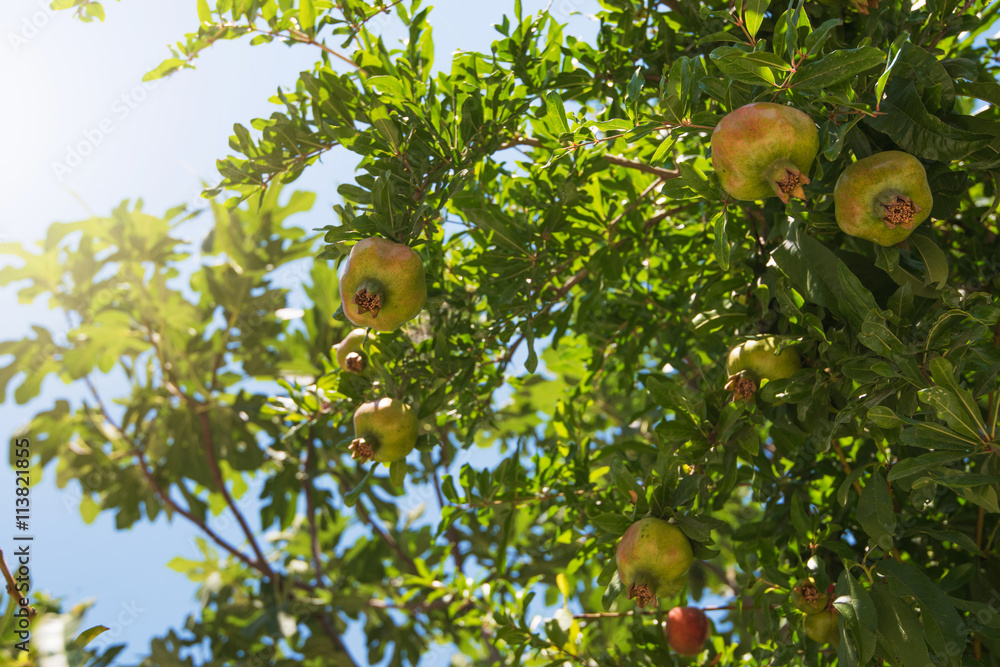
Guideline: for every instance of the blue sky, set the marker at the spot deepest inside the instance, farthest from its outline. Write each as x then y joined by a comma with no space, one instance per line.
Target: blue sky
84,133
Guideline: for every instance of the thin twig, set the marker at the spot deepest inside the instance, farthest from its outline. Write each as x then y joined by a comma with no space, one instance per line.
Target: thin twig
13,589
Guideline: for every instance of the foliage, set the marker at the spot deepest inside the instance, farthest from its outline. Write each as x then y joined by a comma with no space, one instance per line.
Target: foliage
587,277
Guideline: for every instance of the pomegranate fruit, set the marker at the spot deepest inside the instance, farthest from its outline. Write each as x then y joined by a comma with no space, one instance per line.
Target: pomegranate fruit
653,556
807,598
383,285
687,629
822,627
385,431
883,198
757,360
350,352
764,150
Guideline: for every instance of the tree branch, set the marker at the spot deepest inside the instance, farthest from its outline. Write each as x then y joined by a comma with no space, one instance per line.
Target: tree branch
13,590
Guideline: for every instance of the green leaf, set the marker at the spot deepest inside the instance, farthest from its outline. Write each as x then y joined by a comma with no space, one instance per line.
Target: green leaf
875,335
845,486
555,113
754,68
951,409
204,13
307,16
397,473
900,635
943,374
754,12
943,627
858,611
86,637
987,91
934,259
615,524
816,38
611,593
351,498
502,231
915,130
721,245
917,465
884,417
837,67
875,512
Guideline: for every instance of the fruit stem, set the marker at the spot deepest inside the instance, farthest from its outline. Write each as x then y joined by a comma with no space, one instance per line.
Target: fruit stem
362,449
368,298
786,180
896,210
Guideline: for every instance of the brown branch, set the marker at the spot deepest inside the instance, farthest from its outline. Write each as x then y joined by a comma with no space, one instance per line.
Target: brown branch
335,638
213,465
13,590
845,465
384,535
199,409
169,502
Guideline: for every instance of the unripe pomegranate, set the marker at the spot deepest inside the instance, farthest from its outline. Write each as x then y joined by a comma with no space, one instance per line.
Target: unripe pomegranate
822,627
764,150
883,198
686,630
383,285
350,353
757,360
385,431
807,598
653,556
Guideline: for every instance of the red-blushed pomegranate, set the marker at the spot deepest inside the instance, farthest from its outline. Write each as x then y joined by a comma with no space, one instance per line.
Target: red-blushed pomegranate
653,558
764,150
687,629
883,198
385,431
383,285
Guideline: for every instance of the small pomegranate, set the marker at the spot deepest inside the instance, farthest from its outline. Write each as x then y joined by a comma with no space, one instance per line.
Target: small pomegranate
757,360
383,285
350,353
385,431
822,627
686,630
883,198
807,598
764,150
653,556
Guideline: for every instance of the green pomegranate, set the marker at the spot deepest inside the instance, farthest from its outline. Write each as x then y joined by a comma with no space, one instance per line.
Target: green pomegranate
807,598
757,360
686,630
764,150
350,353
383,285
883,198
822,627
385,431
653,557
